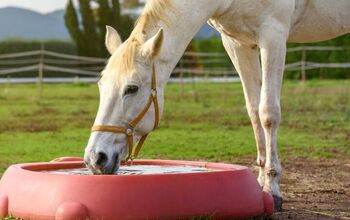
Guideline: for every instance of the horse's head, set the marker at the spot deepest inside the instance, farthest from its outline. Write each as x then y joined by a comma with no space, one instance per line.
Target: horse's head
130,101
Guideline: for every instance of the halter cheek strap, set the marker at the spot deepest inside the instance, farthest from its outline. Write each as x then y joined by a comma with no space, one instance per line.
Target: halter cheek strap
129,129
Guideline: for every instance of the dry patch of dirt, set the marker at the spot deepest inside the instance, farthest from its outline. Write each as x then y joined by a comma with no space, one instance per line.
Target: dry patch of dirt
31,126
315,190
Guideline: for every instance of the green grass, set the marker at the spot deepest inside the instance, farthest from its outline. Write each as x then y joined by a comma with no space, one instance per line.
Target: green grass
201,122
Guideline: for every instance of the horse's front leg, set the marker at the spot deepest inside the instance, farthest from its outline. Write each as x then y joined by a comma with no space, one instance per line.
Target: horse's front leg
246,61
272,43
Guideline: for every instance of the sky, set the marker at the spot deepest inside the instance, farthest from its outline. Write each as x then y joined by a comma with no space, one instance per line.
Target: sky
43,6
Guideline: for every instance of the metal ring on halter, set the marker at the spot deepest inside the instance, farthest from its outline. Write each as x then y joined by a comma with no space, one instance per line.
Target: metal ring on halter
154,92
129,129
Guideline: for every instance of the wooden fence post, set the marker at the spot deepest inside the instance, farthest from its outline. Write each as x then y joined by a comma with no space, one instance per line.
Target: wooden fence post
41,68
303,64
182,89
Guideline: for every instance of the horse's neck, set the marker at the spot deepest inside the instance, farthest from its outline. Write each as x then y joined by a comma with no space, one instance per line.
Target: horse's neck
187,18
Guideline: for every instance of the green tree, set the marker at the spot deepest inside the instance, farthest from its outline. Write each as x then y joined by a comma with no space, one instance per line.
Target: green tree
109,13
122,23
104,16
115,13
125,27
131,3
72,23
90,35
192,61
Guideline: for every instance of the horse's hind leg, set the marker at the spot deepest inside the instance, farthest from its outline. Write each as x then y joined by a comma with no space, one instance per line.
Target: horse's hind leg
246,61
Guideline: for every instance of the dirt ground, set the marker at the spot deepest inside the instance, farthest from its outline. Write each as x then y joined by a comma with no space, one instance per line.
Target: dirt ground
315,190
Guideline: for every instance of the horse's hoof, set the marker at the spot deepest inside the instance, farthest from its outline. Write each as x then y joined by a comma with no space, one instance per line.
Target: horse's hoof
278,203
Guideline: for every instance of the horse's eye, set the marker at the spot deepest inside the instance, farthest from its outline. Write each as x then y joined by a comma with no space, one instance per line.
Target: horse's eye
131,89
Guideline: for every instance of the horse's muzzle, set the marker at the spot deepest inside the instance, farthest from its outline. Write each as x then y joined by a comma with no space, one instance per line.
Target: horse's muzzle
102,163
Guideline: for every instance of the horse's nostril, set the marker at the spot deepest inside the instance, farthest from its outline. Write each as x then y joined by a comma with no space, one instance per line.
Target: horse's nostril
102,159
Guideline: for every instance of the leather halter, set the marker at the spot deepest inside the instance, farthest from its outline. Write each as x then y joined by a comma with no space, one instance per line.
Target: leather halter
129,129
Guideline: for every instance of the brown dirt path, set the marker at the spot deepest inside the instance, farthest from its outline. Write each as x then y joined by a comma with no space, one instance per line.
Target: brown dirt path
315,189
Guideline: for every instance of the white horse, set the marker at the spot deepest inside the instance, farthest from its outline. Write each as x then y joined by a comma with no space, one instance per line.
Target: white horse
138,70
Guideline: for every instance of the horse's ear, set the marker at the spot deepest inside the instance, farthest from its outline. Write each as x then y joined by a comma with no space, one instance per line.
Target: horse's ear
113,40
152,47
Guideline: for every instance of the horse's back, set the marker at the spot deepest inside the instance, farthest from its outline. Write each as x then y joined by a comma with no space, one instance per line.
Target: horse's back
311,20
319,20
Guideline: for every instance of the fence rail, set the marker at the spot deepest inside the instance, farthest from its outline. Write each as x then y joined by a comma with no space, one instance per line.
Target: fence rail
192,66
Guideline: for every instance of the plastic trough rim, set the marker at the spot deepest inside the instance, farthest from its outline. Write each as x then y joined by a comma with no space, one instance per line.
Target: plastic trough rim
36,171
39,167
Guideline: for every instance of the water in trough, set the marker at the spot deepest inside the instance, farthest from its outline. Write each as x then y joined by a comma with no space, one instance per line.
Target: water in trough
137,170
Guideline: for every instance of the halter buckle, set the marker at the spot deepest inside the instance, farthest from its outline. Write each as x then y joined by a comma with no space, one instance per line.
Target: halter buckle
154,92
129,131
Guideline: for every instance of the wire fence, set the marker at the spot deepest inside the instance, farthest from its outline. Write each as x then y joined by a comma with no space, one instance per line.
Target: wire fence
43,66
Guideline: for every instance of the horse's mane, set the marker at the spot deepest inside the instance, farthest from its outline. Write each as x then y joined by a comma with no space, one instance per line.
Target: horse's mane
153,12
151,15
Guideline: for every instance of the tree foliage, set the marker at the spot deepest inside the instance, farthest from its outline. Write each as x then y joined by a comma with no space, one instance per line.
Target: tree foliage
87,26
89,36
72,23
105,14
335,56
131,3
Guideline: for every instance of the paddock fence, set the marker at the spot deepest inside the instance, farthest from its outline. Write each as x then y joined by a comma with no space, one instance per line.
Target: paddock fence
43,66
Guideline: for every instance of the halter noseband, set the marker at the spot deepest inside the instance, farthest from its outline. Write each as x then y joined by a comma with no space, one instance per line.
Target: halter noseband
128,130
